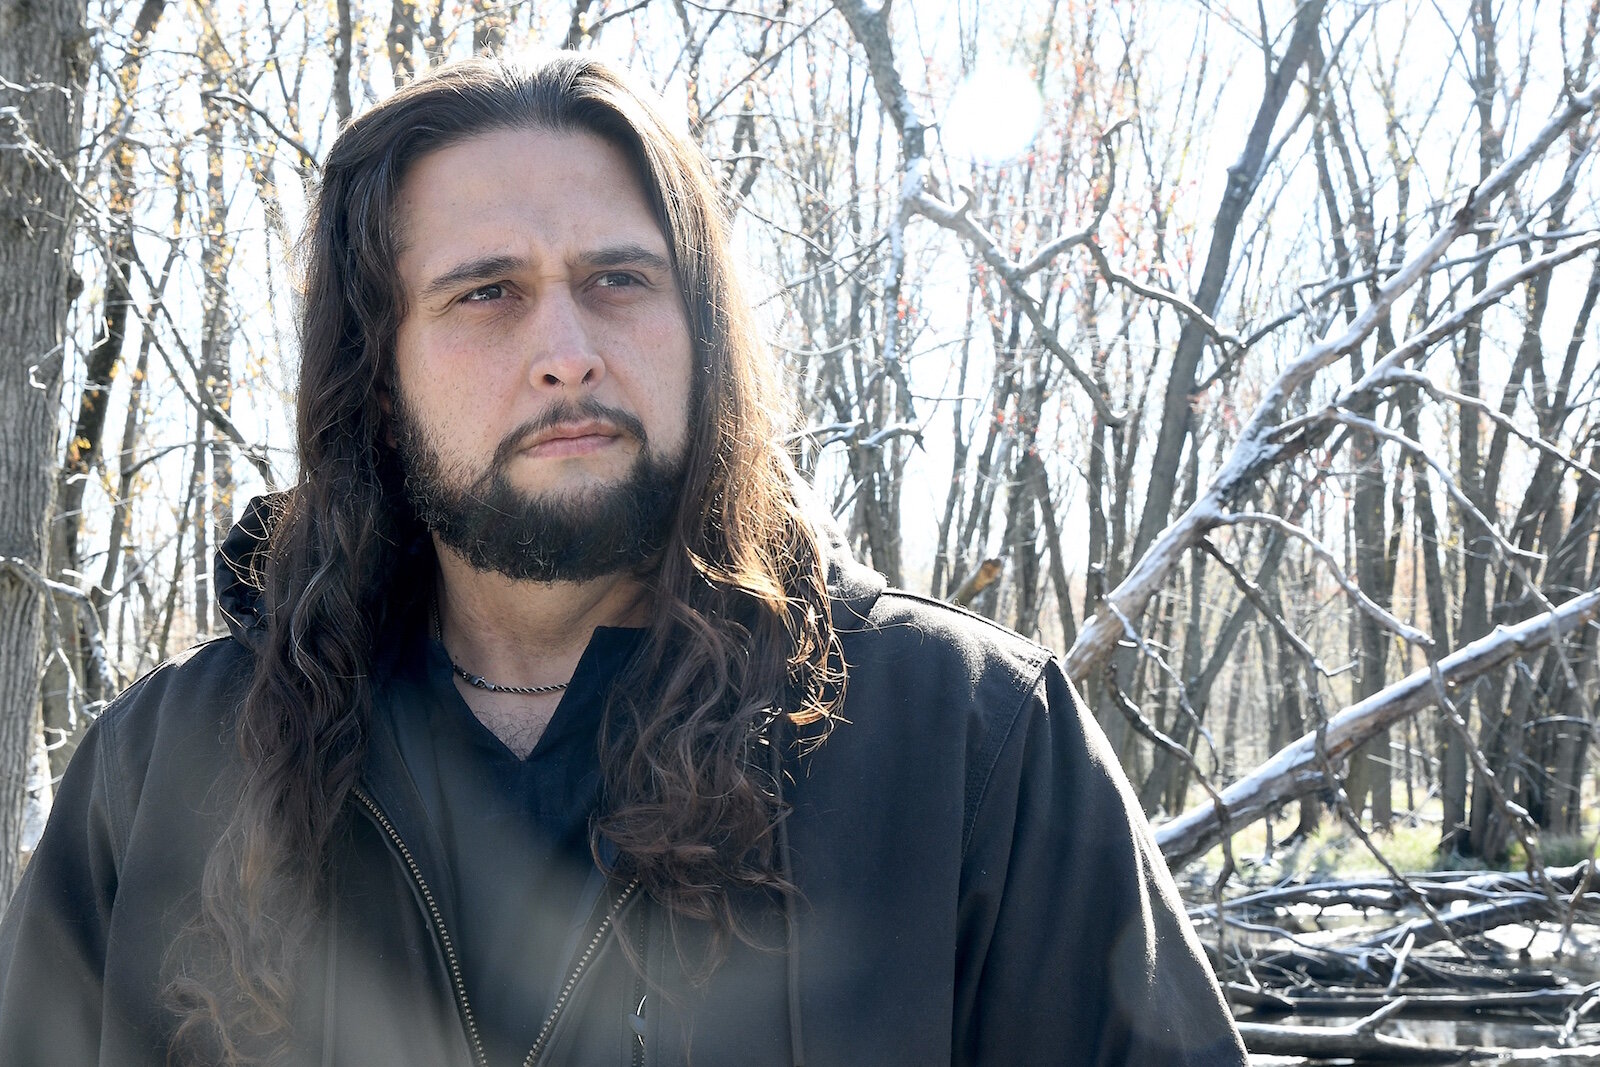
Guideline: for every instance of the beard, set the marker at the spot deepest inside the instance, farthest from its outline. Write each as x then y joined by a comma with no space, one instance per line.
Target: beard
553,536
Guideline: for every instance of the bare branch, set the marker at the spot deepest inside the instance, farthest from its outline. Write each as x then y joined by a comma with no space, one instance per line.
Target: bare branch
1377,429
960,221
88,620
1418,344
1220,336
1385,619
1256,450
1165,668
1257,598
1294,771
1533,440
308,158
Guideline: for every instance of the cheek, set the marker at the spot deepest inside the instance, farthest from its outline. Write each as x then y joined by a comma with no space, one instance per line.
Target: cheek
653,362
411,371
448,399
447,371
680,392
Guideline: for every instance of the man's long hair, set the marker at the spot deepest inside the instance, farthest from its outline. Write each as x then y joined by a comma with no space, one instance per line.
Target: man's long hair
740,638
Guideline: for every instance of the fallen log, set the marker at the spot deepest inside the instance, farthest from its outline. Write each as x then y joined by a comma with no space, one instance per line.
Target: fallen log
1359,1042
1335,1002
1324,1043
1461,974
1290,966
1479,918
1384,894
1296,769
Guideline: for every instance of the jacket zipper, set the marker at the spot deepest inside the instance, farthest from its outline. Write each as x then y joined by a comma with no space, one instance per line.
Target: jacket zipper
436,920
453,963
639,987
547,1031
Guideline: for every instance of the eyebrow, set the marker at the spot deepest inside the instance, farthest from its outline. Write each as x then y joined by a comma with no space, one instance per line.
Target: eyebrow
488,268
481,269
625,255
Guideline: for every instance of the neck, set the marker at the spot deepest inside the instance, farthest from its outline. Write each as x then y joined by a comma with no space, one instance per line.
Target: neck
528,633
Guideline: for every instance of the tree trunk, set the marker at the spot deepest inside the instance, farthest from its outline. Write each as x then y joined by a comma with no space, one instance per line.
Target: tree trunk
216,370
63,725
1242,178
947,558
61,685
403,40
343,47
1477,548
1370,767
1039,481
578,26
43,63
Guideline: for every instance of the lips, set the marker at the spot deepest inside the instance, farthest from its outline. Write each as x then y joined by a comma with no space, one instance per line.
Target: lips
570,438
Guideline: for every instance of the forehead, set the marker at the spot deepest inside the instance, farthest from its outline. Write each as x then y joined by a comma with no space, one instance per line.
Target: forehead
552,189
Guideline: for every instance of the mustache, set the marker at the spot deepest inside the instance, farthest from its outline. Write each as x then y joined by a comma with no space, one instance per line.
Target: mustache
583,410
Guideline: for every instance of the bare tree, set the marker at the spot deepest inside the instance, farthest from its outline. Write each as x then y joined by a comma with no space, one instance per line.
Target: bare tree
1302,412
42,72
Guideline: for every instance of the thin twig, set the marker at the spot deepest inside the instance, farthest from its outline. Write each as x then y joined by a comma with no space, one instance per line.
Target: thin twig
1321,551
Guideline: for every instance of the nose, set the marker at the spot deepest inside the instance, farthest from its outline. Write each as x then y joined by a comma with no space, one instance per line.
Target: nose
563,354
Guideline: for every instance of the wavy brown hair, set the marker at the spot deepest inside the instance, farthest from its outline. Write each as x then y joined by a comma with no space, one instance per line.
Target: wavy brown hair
741,637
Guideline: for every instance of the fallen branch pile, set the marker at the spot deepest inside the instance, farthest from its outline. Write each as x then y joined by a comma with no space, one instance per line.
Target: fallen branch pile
1369,950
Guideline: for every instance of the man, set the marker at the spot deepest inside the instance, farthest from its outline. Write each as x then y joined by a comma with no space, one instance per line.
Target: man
551,729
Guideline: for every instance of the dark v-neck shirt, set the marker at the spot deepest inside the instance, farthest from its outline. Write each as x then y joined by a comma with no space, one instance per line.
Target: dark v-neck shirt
507,838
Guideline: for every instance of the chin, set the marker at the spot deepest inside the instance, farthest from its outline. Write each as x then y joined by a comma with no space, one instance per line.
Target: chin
571,488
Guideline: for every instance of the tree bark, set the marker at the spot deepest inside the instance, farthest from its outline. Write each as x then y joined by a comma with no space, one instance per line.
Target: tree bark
216,338
43,63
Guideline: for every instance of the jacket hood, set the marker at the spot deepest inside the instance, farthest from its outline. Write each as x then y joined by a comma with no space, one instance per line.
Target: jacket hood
241,562
853,586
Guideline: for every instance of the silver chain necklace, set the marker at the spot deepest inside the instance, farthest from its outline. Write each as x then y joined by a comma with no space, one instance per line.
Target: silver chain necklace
477,681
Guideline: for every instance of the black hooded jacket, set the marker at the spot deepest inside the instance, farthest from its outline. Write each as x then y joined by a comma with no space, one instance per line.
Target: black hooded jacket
977,886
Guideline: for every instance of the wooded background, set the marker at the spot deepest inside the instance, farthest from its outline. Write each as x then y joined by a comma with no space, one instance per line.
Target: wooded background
1243,353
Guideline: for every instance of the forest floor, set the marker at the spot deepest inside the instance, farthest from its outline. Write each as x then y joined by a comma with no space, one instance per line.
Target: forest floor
1410,844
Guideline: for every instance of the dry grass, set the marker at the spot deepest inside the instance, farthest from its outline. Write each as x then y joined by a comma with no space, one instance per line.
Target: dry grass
1410,844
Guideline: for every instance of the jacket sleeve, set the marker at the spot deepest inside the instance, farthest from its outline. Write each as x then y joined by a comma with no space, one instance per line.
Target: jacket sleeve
53,938
1074,944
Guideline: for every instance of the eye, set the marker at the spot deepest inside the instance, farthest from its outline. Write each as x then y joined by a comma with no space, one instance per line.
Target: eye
617,279
484,293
